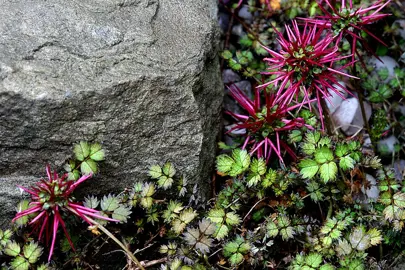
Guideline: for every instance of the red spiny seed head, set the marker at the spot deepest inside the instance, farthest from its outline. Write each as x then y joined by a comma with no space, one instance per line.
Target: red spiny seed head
304,64
49,199
264,123
349,21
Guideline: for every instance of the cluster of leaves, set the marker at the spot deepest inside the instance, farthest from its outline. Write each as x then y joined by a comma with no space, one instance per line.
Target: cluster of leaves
22,257
86,157
324,157
381,85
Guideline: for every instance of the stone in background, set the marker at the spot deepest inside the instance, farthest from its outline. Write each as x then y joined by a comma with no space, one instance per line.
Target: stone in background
139,76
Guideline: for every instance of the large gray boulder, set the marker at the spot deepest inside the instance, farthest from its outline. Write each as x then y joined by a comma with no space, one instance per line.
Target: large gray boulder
139,76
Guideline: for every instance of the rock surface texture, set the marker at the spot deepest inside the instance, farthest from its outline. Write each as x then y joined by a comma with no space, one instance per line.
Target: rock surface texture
139,76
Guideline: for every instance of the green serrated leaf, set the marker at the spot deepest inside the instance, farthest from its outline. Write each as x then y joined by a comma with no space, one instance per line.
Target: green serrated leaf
225,164
341,150
109,203
308,168
356,265
226,54
155,171
308,148
272,229
328,171
295,136
324,141
232,219
346,163
32,252
221,232
12,249
390,212
375,236
96,152
287,233
187,215
5,237
323,155
236,258
169,170
385,198
19,263
258,166
313,137
216,215
242,161
313,260
230,248
165,182
81,150
43,267
88,167
399,199
253,179
122,213
343,248
148,190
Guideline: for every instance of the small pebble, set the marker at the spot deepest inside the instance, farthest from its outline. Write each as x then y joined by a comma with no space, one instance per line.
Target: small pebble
387,145
387,62
238,30
245,14
229,76
348,116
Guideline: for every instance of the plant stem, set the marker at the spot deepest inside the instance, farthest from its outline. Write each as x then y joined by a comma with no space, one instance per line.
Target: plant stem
107,232
330,209
326,115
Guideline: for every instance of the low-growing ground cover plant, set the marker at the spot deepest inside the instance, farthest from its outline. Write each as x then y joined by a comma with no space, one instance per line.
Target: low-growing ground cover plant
294,192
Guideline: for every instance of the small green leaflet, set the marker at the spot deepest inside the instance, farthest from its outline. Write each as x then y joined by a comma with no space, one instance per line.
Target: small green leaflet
155,171
308,168
236,259
295,136
165,182
121,213
216,215
328,171
81,150
258,166
341,150
96,153
313,260
221,232
32,252
308,148
19,263
88,167
109,203
242,162
323,155
12,249
168,169
346,163
313,137
399,199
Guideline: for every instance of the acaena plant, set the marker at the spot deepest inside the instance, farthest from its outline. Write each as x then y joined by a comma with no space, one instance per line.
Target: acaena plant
349,22
304,67
265,124
51,199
